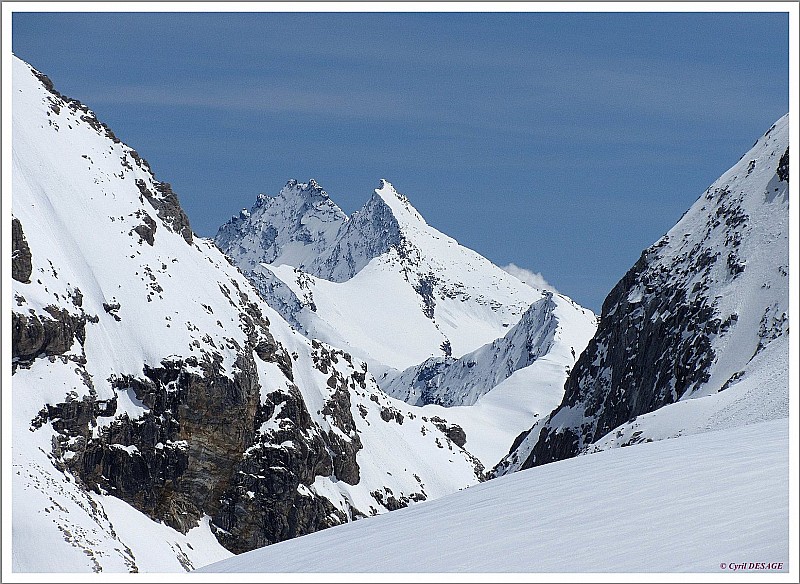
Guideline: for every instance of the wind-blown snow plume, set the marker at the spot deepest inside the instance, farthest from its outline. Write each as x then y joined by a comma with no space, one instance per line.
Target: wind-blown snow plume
529,277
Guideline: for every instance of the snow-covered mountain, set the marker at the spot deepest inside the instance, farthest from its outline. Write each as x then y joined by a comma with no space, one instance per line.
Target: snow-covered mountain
387,287
695,336
673,506
163,415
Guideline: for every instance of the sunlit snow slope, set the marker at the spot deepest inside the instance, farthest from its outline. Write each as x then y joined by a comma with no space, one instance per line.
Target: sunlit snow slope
163,415
691,504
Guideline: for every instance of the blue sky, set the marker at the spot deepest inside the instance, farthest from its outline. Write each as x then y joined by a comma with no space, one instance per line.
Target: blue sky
562,143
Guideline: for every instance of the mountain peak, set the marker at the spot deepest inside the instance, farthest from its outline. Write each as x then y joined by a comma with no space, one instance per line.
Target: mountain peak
398,203
293,226
307,190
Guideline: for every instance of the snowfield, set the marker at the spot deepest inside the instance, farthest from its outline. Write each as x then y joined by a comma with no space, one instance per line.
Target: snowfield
689,504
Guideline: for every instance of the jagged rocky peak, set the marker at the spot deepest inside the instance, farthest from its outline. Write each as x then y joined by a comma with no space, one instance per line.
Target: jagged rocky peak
691,317
370,232
303,227
301,192
291,227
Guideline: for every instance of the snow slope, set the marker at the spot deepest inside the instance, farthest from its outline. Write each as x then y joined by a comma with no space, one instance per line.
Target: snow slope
388,287
691,504
702,314
146,366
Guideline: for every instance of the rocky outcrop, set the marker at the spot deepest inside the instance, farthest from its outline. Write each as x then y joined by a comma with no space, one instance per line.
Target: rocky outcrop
647,353
783,167
342,439
269,499
453,431
21,265
147,230
58,100
35,335
271,496
173,462
169,210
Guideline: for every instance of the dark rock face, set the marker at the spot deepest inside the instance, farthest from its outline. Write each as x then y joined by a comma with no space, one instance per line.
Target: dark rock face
453,431
21,265
344,451
168,208
147,230
268,499
425,287
387,498
175,461
649,350
337,410
783,167
36,335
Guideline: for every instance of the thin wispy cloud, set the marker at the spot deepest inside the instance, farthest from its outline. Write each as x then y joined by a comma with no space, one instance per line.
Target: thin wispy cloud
301,100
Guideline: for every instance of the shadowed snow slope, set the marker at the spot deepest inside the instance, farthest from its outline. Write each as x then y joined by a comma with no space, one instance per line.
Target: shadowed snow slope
686,504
